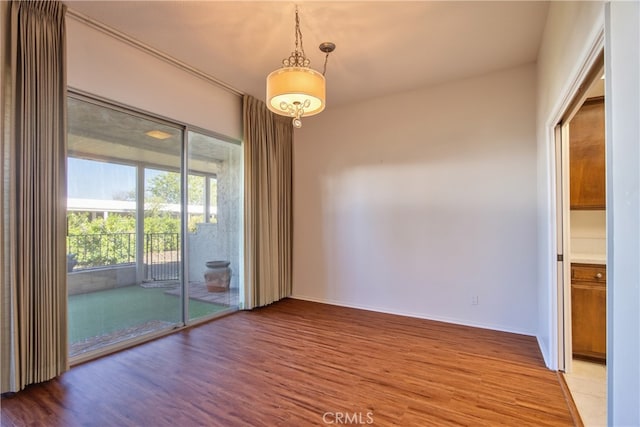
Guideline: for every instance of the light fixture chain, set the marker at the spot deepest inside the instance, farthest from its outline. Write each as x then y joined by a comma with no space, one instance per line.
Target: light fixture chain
298,57
299,34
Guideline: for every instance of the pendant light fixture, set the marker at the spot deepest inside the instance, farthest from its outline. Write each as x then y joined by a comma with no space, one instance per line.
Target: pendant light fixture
296,90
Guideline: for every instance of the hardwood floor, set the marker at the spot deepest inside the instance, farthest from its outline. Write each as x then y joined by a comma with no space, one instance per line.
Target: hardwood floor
294,362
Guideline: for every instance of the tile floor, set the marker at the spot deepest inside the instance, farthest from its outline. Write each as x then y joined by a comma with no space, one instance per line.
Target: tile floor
199,291
588,384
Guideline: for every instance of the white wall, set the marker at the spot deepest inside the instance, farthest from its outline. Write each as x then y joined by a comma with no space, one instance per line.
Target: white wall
572,30
414,203
105,66
622,68
588,235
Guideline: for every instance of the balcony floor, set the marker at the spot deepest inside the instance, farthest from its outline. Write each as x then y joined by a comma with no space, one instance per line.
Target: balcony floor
198,291
103,318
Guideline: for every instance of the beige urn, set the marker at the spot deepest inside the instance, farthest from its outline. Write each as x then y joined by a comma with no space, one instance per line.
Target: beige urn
217,276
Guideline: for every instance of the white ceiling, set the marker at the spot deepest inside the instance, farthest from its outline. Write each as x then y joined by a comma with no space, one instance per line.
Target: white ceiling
382,47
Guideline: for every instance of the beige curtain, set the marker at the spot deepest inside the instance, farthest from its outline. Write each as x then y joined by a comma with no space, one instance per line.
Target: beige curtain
268,140
34,292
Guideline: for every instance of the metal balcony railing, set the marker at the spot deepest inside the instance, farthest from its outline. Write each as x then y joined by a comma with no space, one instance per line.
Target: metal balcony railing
162,256
161,252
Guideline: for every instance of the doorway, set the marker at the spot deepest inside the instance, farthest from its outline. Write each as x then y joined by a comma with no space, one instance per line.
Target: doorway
581,222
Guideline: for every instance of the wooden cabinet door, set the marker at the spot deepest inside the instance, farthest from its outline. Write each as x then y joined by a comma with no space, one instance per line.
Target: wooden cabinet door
586,157
588,319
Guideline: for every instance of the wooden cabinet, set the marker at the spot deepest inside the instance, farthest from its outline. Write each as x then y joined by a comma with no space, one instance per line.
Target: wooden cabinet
589,311
587,156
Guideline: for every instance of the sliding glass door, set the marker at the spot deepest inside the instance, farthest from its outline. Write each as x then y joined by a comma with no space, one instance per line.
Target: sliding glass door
129,202
213,235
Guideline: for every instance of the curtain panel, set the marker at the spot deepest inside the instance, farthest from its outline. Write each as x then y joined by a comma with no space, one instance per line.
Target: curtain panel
34,291
268,146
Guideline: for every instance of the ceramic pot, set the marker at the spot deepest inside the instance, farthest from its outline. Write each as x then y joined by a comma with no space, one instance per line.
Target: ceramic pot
217,276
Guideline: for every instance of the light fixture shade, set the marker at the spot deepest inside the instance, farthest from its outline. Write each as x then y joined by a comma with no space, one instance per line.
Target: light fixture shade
291,85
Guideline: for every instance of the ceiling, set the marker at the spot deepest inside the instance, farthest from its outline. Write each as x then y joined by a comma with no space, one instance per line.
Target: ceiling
96,132
382,47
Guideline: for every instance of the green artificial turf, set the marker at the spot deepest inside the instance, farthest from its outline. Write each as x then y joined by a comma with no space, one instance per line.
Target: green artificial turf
103,312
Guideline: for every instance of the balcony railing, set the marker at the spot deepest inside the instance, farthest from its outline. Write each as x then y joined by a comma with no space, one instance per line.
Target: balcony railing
99,250
161,252
162,256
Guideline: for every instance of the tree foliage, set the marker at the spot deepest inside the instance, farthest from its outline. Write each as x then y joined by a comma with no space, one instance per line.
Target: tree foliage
102,241
112,240
164,188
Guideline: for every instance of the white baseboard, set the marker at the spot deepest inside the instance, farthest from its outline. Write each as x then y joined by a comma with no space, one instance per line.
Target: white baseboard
545,355
415,315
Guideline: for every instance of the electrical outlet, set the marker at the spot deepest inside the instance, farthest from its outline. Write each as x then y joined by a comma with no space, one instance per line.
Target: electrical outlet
474,300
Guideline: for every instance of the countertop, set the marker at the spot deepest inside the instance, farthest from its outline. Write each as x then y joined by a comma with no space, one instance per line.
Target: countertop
579,258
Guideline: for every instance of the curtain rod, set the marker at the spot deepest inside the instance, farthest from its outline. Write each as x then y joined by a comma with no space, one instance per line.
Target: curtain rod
112,32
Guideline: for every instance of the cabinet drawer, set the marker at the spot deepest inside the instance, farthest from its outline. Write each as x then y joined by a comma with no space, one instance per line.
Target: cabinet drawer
588,273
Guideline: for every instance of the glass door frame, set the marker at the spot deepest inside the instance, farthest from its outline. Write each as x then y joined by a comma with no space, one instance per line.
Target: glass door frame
185,129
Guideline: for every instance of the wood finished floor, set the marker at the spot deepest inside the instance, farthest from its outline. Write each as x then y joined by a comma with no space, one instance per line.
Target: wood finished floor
289,363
